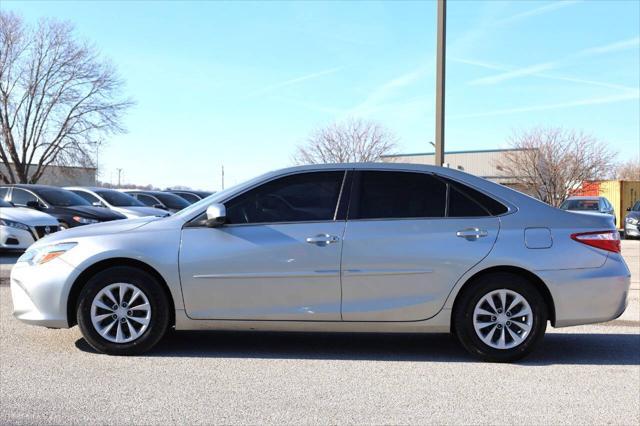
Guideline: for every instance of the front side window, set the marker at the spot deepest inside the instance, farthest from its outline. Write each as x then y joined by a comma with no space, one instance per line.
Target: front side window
189,197
20,197
297,198
396,195
172,201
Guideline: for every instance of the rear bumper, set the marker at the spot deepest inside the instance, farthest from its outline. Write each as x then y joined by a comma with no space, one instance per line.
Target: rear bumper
591,295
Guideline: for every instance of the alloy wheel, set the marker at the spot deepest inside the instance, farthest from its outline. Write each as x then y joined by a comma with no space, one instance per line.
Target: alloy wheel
120,312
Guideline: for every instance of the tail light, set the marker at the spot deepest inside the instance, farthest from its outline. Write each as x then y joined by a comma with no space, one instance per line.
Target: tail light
605,240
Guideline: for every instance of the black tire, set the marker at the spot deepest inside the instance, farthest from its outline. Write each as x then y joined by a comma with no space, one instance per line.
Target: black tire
159,317
64,225
463,316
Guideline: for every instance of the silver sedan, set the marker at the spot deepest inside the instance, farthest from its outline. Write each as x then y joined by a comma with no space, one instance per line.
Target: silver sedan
344,248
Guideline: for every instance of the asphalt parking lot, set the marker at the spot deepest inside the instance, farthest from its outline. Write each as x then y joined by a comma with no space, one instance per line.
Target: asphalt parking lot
580,375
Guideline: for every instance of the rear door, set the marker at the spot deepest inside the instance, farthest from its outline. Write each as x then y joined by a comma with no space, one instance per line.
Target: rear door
409,238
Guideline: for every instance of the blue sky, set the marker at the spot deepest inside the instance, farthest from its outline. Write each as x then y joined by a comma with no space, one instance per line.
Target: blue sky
241,84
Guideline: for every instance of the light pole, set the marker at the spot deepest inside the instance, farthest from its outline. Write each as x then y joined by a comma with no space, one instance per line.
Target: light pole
119,176
440,74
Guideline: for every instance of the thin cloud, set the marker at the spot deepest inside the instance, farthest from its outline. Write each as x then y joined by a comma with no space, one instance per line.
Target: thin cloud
386,90
536,69
291,82
498,67
560,105
612,47
521,72
539,11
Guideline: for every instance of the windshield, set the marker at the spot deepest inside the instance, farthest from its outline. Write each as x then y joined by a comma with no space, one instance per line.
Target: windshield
62,198
636,207
171,200
580,205
4,203
119,199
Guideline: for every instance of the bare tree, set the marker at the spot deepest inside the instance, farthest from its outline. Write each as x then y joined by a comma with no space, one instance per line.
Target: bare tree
354,140
629,170
57,97
549,162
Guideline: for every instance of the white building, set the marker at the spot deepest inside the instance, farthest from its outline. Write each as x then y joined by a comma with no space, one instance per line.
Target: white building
63,175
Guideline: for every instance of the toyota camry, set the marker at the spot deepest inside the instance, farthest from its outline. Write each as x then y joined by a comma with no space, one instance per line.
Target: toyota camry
333,248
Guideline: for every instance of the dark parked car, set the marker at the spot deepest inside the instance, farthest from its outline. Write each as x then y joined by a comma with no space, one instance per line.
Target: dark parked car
189,195
70,209
159,199
632,222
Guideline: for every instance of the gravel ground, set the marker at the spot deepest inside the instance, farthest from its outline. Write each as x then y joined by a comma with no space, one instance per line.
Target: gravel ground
580,375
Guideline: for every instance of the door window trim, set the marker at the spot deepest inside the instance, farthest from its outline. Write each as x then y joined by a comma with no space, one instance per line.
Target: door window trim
195,222
356,188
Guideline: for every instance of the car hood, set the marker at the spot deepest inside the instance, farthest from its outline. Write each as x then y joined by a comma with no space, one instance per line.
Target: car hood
91,212
97,229
140,211
633,214
27,216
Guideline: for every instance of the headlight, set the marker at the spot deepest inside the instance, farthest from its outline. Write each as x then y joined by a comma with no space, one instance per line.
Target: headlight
12,224
84,220
631,220
41,255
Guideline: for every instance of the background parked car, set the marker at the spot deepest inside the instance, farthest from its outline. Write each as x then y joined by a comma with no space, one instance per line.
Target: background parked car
190,196
70,209
118,201
589,205
632,221
20,227
159,199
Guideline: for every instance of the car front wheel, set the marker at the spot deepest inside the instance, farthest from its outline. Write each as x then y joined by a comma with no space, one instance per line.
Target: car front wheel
502,317
123,311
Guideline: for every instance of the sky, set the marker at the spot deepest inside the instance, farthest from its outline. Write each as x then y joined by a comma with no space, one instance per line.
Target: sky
241,84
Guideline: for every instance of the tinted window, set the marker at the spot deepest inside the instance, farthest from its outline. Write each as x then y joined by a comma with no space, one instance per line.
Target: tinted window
465,201
20,197
147,200
88,197
3,192
119,199
62,197
398,195
189,197
4,203
172,201
296,198
577,204
636,207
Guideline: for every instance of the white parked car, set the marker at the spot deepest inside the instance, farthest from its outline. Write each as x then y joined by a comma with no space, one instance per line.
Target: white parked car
20,227
118,201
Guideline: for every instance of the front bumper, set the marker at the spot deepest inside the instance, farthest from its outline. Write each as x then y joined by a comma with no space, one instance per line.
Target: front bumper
14,238
39,293
590,295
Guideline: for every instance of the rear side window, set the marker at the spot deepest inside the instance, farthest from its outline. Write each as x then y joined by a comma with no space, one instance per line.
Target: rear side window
296,198
189,197
381,194
465,201
90,198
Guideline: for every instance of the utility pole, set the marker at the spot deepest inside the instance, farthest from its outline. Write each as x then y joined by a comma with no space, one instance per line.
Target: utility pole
222,175
440,74
119,176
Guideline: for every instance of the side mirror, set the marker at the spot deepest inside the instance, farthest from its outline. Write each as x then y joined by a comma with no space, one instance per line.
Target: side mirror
628,209
33,204
216,215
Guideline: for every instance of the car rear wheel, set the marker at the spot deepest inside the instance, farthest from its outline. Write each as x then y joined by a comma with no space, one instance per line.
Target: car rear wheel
501,317
123,311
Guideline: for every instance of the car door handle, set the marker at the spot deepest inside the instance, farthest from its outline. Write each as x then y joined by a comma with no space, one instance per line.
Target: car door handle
322,239
472,233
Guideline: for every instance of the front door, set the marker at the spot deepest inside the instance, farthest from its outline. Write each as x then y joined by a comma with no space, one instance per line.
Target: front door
276,258
409,238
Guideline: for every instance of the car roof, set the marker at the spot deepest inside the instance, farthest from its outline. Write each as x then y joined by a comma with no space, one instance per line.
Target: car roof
29,186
